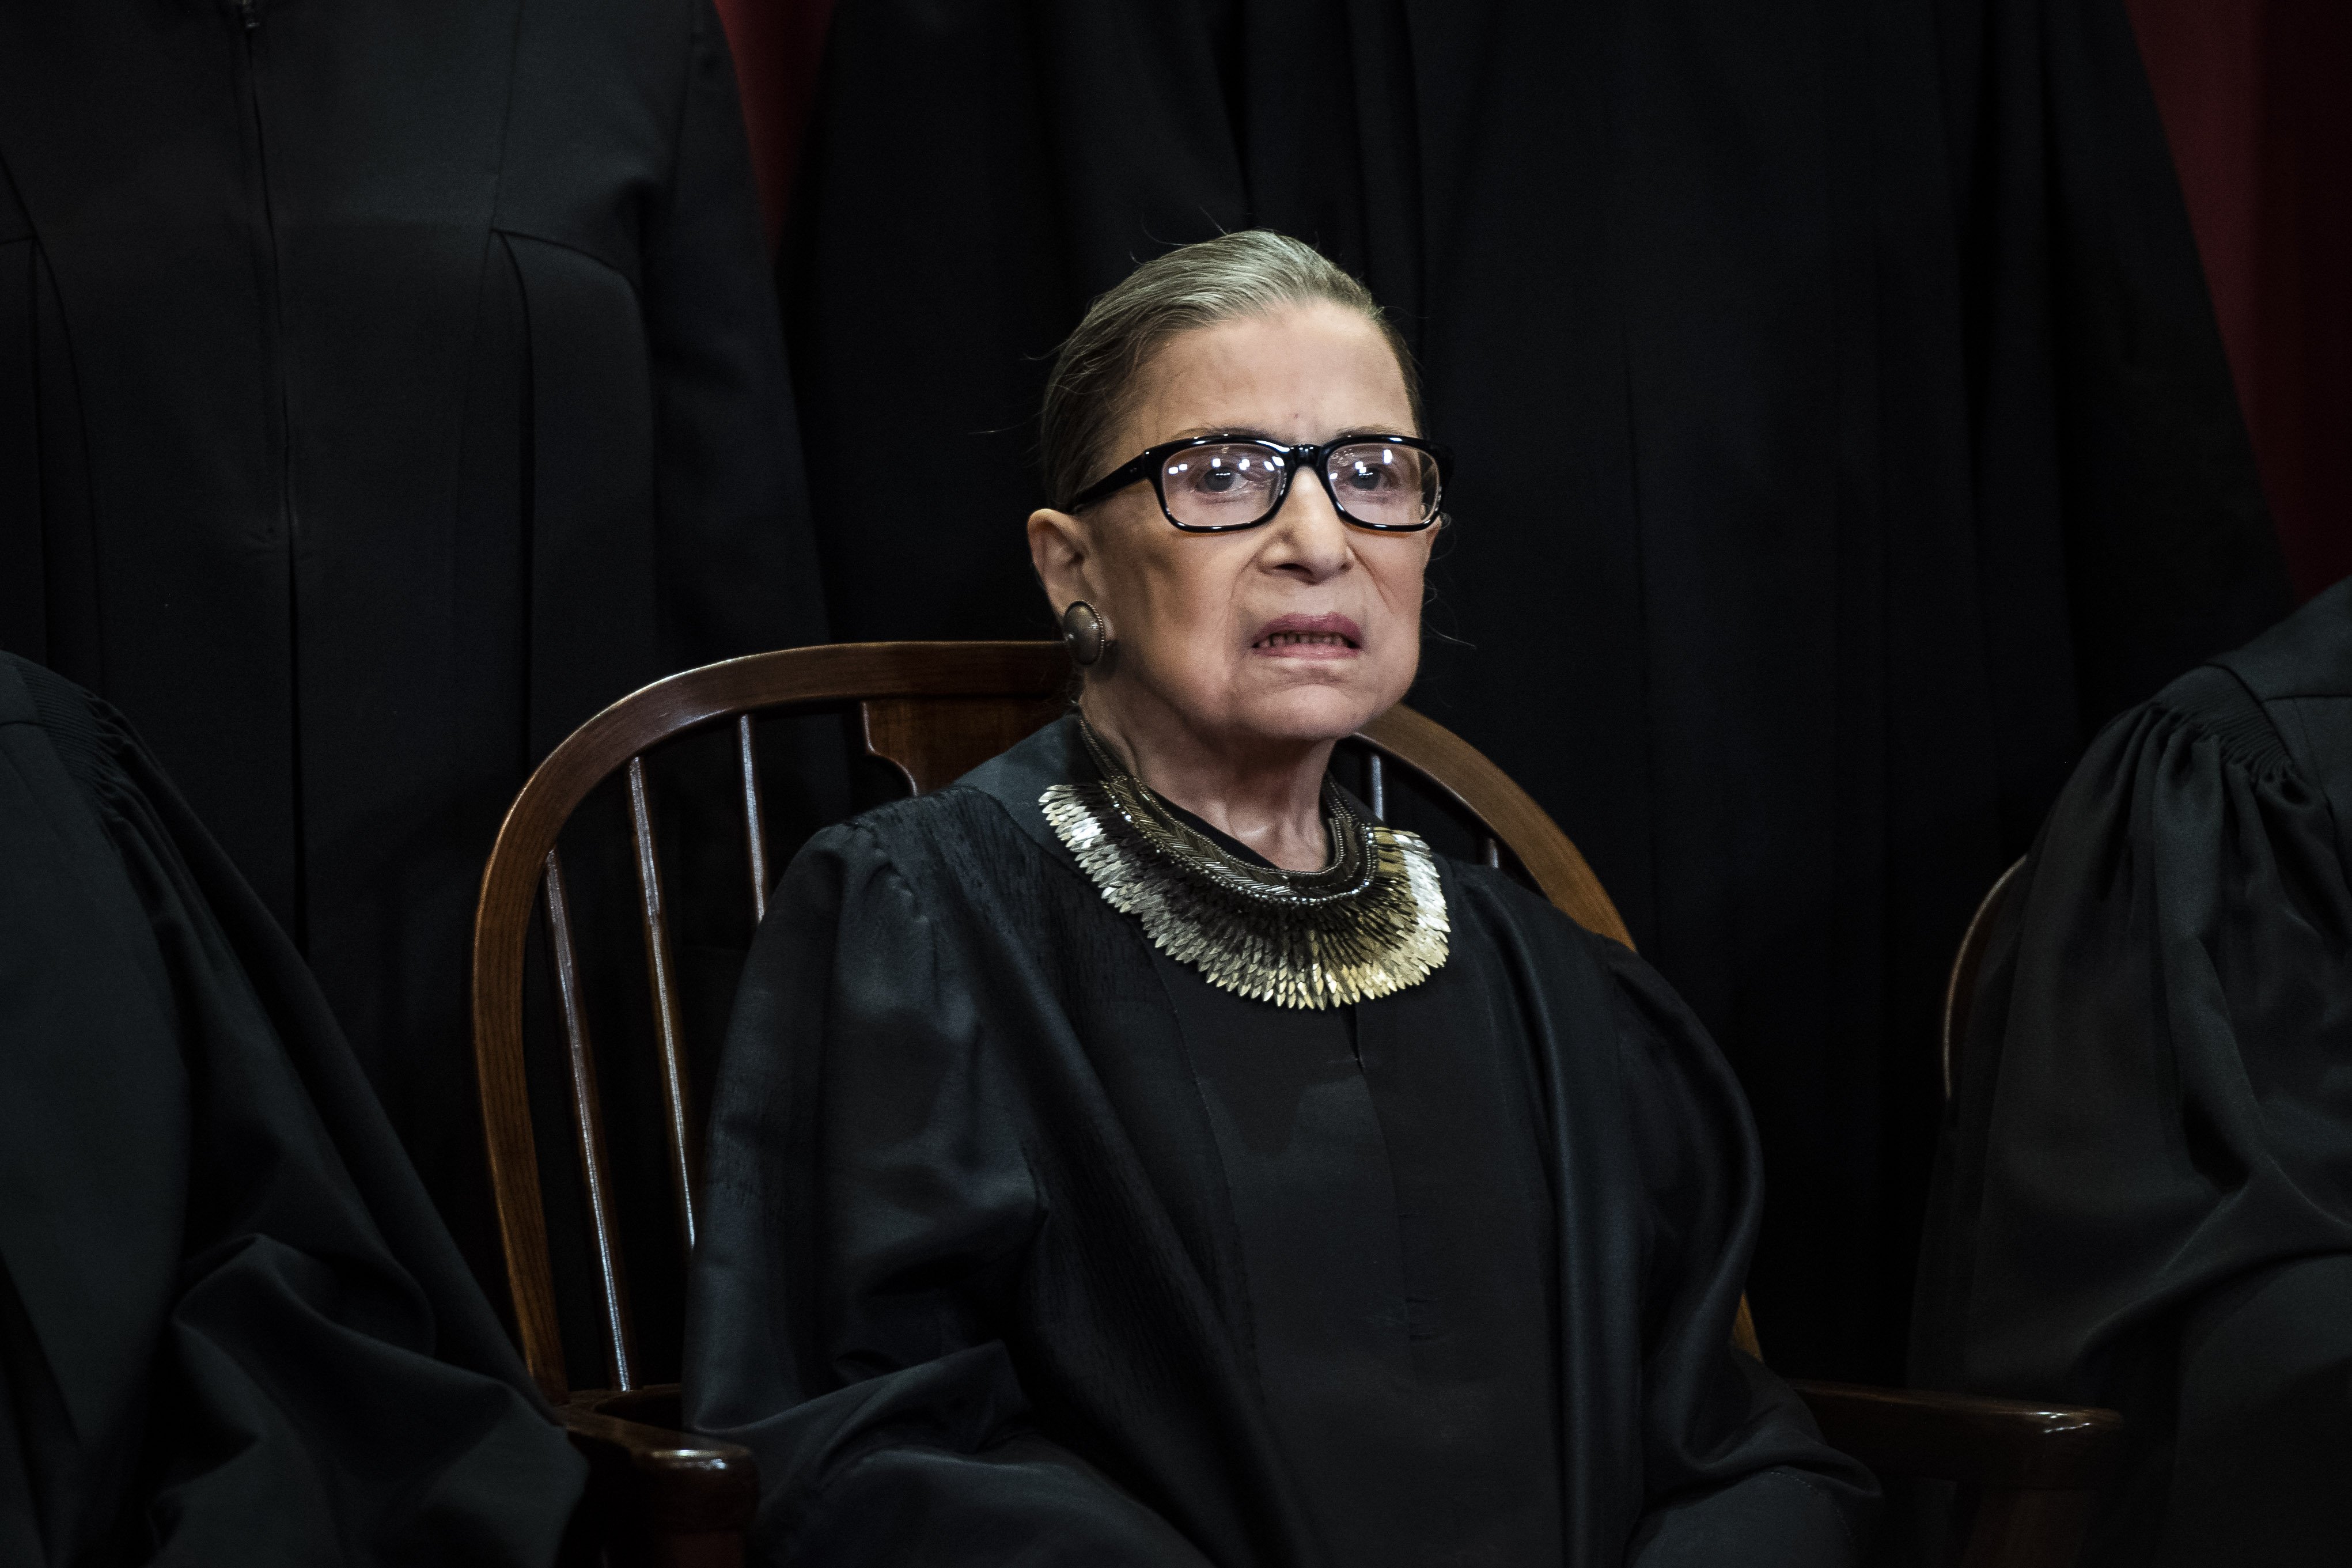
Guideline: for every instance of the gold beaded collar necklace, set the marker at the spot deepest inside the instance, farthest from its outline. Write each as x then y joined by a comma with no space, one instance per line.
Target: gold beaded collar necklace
1370,923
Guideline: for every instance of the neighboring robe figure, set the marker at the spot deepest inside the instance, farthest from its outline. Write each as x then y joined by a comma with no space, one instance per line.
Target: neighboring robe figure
1844,432
383,389
2144,1199
232,1328
1022,1241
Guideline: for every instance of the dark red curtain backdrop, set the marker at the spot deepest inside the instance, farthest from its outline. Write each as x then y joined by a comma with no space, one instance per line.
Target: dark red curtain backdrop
2255,98
778,44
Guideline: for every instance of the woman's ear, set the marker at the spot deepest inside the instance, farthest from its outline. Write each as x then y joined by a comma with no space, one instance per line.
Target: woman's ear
1061,554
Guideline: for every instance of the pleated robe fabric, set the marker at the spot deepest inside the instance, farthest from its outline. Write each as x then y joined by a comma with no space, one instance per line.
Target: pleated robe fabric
232,1328
385,385
970,1282
1844,434
2145,1195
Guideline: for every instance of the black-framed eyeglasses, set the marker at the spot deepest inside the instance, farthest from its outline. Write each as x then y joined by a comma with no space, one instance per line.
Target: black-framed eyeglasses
1221,484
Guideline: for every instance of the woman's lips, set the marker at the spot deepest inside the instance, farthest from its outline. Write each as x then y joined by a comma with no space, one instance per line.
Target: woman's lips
1309,636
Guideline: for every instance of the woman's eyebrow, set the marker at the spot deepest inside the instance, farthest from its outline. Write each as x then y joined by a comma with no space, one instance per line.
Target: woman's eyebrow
1354,432
1251,431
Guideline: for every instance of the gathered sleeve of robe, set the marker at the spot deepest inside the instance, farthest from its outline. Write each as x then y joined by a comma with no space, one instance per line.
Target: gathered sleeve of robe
869,1203
938,1296
2144,1199
233,1330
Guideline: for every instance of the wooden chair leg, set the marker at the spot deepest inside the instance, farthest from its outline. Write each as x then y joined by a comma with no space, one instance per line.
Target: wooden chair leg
659,1498
717,1550
2017,1527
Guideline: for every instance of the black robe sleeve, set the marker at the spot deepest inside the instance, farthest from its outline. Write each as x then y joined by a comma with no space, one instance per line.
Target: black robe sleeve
868,1201
1733,1467
2145,1195
232,1328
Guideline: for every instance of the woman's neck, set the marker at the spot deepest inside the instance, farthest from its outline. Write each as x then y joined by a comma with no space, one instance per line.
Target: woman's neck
1266,793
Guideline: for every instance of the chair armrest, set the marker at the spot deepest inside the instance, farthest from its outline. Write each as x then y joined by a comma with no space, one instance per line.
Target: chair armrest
1961,1438
661,1480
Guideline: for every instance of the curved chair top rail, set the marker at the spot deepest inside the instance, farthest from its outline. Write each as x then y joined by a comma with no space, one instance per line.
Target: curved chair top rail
827,673
1960,990
1551,859
900,687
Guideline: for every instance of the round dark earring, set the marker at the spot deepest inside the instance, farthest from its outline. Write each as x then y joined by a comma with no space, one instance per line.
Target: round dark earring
1085,633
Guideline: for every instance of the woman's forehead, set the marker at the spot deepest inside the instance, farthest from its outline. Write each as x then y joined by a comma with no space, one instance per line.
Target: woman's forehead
1308,372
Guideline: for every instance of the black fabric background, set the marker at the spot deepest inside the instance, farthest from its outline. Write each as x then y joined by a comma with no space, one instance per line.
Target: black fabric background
1843,428
386,387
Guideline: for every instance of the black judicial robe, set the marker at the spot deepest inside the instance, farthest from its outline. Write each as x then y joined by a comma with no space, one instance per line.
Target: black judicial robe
2144,1199
232,1328
1024,1243
1843,435
385,385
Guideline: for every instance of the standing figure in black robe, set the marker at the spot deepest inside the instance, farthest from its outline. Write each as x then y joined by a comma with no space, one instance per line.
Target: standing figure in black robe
385,385
1085,1192
1845,435
232,1328
2145,1195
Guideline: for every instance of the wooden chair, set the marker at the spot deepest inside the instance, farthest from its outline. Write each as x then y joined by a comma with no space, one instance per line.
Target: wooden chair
934,711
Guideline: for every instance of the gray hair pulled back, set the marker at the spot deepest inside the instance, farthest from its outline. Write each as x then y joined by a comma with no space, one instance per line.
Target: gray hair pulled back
1253,272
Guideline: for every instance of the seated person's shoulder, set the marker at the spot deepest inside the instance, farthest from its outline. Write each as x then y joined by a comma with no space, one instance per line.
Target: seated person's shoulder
2284,699
953,848
1490,905
913,832
1486,892
2308,655
91,739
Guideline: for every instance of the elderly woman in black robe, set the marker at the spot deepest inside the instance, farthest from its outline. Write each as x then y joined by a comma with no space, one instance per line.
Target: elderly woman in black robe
1138,1153
2145,1198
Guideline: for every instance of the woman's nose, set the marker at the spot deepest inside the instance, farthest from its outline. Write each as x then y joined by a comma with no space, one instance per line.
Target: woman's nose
1310,537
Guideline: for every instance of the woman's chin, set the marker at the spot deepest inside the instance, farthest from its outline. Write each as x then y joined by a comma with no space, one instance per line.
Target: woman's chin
1314,710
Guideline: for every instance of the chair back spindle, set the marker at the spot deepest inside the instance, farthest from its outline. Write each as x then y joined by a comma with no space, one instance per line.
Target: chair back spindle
588,1125
755,824
679,1130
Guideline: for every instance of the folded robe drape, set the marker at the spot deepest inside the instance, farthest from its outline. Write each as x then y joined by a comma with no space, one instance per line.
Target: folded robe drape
2144,1196
967,1278
232,1328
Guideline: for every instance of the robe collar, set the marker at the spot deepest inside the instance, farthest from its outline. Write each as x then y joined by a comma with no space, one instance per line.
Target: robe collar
1015,779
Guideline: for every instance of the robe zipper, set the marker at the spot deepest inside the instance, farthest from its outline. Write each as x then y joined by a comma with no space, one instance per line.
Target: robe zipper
249,16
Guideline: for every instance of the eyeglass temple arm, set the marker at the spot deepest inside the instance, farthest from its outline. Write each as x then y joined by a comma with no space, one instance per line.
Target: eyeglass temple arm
1119,478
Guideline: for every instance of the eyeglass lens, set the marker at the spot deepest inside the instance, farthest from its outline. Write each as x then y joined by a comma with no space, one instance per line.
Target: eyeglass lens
1378,483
